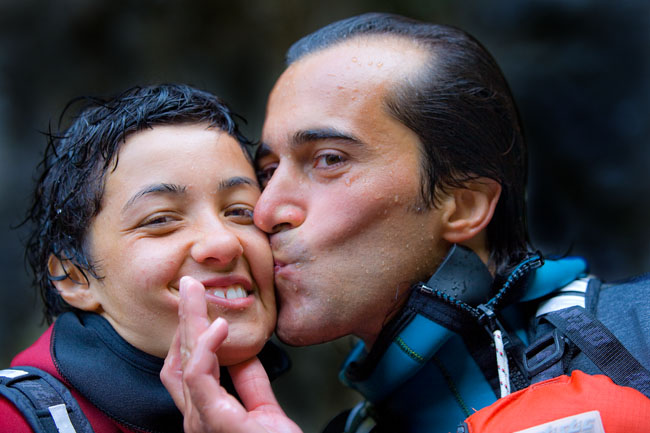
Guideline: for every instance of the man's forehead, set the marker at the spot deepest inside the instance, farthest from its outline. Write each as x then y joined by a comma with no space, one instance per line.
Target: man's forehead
338,88
349,69
373,55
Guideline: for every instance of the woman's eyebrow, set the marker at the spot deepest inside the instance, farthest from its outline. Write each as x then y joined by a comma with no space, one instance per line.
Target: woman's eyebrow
166,188
234,181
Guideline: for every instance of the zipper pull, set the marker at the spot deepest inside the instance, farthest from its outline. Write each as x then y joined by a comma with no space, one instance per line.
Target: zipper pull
489,320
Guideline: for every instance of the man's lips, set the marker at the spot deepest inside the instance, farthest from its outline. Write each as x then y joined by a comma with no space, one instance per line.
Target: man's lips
278,265
287,269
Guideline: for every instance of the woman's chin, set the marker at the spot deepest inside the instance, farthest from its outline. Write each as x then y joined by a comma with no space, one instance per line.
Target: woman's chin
237,350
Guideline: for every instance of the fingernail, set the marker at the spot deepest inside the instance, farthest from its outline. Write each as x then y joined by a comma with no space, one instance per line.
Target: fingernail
184,282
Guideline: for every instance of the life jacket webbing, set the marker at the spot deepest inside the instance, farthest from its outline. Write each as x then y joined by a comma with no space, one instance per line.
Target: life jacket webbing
601,347
45,403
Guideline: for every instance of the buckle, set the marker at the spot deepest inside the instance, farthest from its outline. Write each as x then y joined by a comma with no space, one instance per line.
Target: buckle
551,340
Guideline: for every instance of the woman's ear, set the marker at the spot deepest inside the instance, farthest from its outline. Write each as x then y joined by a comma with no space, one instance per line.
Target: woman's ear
72,285
468,210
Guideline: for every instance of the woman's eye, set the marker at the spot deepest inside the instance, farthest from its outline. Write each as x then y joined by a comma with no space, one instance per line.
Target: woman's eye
241,215
156,220
328,160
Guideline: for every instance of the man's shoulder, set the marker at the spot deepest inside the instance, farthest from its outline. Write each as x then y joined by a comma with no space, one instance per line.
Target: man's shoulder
625,295
637,282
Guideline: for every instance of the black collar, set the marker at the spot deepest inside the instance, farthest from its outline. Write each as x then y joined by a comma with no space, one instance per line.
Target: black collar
116,377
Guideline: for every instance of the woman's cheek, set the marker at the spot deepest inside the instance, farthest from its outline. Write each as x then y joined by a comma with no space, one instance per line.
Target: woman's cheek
260,259
157,267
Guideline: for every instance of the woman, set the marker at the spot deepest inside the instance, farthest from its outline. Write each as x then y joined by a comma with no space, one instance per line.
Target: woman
143,191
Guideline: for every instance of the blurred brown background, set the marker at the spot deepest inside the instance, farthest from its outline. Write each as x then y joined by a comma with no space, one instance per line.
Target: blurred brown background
579,70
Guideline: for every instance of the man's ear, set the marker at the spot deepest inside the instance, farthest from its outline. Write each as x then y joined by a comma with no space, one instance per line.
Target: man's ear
468,210
72,284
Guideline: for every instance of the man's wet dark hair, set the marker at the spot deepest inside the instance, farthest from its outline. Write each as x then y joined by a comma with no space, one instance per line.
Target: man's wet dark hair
69,190
461,107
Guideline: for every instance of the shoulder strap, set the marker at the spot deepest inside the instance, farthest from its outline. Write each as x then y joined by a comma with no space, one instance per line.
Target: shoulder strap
602,347
44,401
543,358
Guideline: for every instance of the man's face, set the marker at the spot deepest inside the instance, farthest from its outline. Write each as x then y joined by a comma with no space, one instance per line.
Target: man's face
180,203
348,231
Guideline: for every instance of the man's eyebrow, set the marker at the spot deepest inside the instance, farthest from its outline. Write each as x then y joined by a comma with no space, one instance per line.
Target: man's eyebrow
309,135
168,188
234,181
319,134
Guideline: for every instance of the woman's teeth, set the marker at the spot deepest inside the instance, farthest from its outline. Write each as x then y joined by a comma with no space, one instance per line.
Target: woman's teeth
235,291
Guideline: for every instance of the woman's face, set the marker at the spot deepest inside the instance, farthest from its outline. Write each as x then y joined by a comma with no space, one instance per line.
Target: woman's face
180,202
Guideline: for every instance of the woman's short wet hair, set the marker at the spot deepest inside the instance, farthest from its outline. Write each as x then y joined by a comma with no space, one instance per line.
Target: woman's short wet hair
72,173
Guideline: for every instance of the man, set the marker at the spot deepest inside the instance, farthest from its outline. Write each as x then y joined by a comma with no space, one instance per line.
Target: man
392,155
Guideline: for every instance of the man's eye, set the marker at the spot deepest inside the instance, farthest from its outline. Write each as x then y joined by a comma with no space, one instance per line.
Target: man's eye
264,175
241,215
328,160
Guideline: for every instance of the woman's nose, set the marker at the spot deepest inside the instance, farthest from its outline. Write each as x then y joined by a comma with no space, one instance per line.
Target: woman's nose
216,244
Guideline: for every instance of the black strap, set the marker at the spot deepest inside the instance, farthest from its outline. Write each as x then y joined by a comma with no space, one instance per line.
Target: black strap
38,397
601,347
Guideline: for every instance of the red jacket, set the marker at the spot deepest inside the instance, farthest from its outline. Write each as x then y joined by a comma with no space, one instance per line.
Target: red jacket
39,355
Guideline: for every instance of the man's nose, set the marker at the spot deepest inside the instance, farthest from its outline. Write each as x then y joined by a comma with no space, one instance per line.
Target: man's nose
216,244
282,205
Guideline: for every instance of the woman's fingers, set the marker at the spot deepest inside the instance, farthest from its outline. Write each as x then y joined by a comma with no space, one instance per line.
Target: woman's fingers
192,313
253,385
171,374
